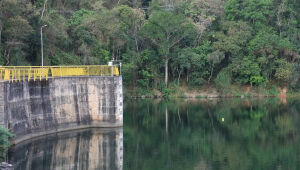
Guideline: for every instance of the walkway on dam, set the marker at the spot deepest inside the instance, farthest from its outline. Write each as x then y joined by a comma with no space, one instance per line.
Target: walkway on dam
23,73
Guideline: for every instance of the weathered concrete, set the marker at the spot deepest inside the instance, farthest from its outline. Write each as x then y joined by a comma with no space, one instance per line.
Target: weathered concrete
35,108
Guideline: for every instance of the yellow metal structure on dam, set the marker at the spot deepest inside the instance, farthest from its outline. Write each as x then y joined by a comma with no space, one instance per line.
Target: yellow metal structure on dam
18,73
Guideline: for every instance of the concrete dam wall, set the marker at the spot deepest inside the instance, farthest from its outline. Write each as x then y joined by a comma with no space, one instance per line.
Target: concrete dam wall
34,108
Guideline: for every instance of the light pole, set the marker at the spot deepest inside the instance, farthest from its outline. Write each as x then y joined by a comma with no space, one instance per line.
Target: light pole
42,44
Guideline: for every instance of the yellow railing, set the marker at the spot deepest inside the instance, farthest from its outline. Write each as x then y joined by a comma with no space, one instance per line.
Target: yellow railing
19,73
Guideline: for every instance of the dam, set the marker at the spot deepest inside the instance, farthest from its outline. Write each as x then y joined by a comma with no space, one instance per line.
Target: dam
35,101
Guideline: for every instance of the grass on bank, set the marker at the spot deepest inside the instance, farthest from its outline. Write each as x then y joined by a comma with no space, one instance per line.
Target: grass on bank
210,91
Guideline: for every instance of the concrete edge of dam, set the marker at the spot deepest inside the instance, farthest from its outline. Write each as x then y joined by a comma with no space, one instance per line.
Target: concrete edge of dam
35,136
36,108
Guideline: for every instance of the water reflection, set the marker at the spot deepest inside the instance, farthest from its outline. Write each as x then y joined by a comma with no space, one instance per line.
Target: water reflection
79,150
179,135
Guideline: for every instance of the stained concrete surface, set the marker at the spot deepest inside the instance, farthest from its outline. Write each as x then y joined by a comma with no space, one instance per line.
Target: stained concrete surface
36,108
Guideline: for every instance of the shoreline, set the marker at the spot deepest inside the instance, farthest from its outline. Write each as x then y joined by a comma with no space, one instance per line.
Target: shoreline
211,93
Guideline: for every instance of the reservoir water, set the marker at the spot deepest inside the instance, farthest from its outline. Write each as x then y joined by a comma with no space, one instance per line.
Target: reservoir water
231,134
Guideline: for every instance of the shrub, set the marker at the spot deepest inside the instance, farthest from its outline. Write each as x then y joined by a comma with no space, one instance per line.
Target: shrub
4,142
257,80
223,81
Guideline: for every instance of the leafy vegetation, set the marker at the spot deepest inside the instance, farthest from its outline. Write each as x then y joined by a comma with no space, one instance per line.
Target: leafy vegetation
4,141
185,42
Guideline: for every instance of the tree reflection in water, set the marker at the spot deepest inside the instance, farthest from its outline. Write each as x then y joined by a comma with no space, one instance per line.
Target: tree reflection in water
171,135
177,135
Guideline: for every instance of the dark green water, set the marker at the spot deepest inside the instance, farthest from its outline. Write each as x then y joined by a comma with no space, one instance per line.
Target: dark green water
178,135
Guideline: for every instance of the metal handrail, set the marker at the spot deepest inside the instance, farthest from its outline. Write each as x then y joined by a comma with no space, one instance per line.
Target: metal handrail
19,73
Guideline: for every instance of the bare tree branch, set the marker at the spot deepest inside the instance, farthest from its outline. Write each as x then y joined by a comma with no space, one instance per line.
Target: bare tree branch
44,8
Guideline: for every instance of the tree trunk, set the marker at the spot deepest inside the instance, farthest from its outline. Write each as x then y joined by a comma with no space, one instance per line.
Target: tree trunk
179,75
166,72
136,39
44,8
136,45
167,117
211,73
187,76
7,55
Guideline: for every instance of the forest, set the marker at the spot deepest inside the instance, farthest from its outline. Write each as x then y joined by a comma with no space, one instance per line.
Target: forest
161,43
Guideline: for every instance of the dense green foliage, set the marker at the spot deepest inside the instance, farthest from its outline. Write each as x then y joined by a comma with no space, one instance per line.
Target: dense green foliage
4,141
190,42
256,134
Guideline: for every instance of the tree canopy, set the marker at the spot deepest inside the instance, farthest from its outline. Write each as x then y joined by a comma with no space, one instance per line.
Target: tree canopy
187,42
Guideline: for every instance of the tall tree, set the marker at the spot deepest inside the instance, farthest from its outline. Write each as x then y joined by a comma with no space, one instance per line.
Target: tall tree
166,31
